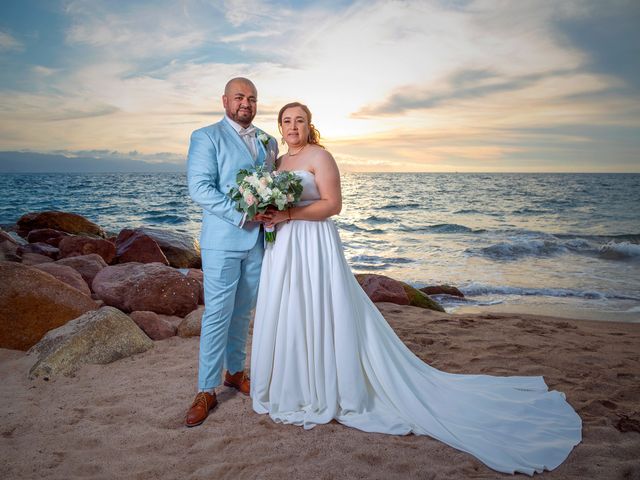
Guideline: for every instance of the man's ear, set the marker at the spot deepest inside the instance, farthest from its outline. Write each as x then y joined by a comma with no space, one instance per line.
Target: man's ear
224,101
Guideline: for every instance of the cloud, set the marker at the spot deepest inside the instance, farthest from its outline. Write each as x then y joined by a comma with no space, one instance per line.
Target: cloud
462,85
8,43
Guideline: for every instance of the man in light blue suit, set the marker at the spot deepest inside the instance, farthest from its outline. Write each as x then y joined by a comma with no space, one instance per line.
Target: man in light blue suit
231,246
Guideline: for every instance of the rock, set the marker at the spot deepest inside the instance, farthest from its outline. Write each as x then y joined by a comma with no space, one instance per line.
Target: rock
181,249
190,326
97,337
46,235
421,299
33,302
8,247
40,248
65,274
380,288
147,286
5,237
383,289
75,246
442,290
9,252
63,221
136,246
86,265
197,274
153,325
35,259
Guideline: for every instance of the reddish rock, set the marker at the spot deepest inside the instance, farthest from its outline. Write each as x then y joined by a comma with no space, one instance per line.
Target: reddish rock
35,259
136,246
86,265
65,274
40,248
73,246
181,249
148,287
197,274
383,289
442,290
33,302
153,325
63,221
46,235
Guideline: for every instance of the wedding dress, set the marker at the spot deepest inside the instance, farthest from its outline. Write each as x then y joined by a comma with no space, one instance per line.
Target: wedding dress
322,351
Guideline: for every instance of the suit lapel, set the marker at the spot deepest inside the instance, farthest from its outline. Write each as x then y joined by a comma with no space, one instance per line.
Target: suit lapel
262,153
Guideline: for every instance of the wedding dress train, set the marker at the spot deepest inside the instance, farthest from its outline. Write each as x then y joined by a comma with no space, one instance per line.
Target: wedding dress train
322,351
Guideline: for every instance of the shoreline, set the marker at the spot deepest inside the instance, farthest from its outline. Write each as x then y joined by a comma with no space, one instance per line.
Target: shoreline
124,419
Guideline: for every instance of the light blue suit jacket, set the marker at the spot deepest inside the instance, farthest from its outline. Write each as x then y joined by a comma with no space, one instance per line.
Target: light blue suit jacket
216,153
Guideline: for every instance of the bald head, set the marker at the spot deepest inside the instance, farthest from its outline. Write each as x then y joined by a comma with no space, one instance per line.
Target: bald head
239,80
240,100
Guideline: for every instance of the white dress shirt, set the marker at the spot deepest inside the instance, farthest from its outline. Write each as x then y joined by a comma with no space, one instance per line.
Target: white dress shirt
248,136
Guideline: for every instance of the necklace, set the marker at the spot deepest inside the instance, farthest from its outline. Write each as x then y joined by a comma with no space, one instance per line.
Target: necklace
294,154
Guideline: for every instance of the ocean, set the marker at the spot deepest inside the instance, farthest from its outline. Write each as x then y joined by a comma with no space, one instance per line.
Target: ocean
556,244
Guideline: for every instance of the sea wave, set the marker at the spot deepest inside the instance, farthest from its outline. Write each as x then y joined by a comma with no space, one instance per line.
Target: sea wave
441,228
544,245
476,289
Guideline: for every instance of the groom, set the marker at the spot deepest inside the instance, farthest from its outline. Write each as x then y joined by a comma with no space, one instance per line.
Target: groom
231,246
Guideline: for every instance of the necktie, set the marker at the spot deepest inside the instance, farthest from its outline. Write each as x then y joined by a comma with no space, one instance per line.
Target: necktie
248,136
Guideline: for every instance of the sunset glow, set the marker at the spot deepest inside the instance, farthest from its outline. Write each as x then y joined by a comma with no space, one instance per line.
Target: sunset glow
394,86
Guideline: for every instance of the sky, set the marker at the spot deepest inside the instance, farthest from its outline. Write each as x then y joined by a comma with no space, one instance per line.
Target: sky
431,85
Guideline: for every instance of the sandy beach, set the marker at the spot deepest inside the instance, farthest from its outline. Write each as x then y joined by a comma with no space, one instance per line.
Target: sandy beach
125,419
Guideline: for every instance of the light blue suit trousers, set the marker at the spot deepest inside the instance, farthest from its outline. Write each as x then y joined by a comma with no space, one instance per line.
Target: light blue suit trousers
231,251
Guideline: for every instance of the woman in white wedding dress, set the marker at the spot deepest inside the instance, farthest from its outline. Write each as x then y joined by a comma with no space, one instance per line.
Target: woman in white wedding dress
322,350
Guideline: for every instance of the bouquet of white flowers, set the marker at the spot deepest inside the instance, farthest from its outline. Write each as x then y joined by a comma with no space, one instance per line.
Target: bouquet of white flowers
259,189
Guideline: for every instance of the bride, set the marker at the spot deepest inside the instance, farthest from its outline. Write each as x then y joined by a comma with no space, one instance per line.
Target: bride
322,350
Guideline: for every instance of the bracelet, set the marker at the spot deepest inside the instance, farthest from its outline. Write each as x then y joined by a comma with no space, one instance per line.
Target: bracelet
289,213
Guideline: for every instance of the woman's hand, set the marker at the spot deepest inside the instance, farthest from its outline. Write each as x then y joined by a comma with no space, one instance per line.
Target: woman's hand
272,217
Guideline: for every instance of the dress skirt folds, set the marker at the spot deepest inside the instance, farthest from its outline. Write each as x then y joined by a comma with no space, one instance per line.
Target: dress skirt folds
322,351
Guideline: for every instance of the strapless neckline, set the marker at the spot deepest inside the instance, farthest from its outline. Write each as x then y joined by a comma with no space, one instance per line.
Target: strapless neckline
296,171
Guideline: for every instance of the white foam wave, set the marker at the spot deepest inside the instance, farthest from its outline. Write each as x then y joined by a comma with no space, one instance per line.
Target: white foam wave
475,289
620,250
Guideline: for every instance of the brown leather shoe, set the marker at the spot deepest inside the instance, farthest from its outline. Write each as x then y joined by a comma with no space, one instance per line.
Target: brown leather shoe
239,381
200,408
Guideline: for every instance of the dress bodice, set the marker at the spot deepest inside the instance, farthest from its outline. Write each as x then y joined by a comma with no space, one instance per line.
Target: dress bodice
310,191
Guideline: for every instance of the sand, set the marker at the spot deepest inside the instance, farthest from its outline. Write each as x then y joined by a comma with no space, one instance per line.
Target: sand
125,419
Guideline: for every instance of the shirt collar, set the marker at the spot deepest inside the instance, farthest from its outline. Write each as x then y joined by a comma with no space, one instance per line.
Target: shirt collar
236,126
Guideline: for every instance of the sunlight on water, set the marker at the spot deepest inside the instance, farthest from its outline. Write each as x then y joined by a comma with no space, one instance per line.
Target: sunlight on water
505,239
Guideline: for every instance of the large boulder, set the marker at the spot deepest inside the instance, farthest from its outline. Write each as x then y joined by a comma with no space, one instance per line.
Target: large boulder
383,289
32,302
65,274
181,249
76,246
86,265
40,248
97,337
137,246
197,274
63,221
46,235
380,288
155,326
421,299
192,323
147,286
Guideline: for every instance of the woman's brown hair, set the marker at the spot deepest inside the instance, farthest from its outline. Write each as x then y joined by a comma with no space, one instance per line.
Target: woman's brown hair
314,134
